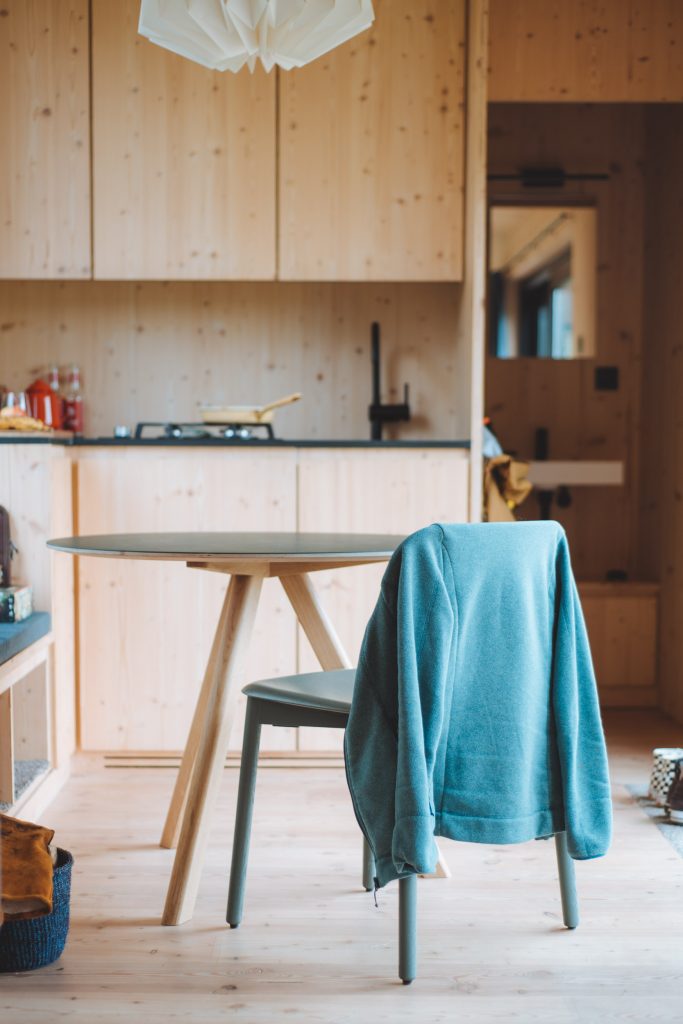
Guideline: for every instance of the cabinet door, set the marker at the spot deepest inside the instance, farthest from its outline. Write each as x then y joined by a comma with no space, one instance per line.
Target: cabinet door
370,492
575,51
183,161
44,126
621,619
371,152
145,628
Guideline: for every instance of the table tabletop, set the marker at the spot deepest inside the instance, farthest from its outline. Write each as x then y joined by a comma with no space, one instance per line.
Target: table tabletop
199,546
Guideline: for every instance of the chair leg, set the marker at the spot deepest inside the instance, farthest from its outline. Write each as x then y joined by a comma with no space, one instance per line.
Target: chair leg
570,902
407,928
368,867
245,808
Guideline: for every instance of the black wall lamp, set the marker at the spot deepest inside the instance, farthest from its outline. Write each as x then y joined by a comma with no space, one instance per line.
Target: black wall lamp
547,177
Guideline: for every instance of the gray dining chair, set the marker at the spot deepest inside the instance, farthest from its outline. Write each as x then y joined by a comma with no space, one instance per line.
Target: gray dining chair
323,699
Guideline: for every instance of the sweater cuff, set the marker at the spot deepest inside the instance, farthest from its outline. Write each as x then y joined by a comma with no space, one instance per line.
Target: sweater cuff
591,837
413,849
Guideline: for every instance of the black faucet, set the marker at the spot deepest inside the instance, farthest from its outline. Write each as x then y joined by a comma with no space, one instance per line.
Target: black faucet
378,414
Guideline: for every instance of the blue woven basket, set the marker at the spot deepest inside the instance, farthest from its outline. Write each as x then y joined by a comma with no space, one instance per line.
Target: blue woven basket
25,945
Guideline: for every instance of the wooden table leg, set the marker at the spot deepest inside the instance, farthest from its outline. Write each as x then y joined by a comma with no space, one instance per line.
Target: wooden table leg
169,837
316,625
232,638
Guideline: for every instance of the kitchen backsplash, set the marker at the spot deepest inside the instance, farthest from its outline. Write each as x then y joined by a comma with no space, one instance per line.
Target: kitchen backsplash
158,350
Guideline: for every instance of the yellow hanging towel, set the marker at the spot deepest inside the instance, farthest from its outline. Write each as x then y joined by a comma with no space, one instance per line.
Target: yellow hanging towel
505,487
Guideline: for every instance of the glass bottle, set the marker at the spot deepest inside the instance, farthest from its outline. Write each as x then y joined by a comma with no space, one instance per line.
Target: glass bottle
57,400
73,402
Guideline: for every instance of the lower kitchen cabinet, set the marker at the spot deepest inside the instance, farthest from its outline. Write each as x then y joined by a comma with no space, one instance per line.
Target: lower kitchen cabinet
145,628
622,622
370,492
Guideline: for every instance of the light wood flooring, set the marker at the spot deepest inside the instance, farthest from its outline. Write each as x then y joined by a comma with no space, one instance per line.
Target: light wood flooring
313,947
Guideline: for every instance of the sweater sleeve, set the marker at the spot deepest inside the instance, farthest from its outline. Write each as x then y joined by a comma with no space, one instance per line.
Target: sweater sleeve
399,706
371,736
581,744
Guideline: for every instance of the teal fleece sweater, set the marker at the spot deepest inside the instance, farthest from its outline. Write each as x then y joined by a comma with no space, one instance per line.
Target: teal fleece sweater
475,712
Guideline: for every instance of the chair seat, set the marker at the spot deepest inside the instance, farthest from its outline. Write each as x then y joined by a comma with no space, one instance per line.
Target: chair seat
323,691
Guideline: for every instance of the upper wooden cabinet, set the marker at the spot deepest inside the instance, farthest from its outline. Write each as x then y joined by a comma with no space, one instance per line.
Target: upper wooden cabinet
183,161
603,51
44,127
371,152
187,164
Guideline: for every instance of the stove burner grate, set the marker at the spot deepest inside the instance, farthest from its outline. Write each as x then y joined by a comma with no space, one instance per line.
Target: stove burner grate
200,431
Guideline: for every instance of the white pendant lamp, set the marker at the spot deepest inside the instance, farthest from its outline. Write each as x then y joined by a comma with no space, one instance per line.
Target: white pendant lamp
227,34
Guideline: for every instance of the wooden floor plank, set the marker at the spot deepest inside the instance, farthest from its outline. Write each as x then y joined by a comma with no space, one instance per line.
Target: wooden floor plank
313,948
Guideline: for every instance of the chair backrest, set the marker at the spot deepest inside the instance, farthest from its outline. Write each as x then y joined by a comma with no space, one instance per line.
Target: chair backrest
475,711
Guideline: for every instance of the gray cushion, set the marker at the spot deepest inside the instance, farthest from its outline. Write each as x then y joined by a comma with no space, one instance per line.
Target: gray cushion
17,636
325,691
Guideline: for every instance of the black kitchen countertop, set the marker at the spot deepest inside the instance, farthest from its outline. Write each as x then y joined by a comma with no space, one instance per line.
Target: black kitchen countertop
11,437
278,442
219,442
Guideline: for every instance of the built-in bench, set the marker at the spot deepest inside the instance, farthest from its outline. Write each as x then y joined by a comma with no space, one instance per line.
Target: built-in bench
25,734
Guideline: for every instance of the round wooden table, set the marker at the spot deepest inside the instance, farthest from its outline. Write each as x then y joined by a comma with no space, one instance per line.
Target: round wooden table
249,558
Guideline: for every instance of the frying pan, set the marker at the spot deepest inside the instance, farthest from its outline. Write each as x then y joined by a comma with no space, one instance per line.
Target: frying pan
238,414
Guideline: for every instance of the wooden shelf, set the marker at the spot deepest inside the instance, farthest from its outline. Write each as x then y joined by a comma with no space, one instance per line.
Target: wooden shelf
25,720
37,684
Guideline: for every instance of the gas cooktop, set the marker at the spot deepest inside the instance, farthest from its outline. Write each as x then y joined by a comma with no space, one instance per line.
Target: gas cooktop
194,431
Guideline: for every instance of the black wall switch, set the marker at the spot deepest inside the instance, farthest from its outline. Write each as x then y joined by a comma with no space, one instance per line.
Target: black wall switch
606,378
541,444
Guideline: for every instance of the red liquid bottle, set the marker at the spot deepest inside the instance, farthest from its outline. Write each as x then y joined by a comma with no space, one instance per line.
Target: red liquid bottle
73,402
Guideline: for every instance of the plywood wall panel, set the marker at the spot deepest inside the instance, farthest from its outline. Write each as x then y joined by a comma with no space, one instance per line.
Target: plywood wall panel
371,152
586,50
157,351
44,127
184,161
472,320
661,496
523,394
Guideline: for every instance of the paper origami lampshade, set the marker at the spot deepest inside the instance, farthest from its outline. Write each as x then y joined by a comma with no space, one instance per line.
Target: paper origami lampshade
227,34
